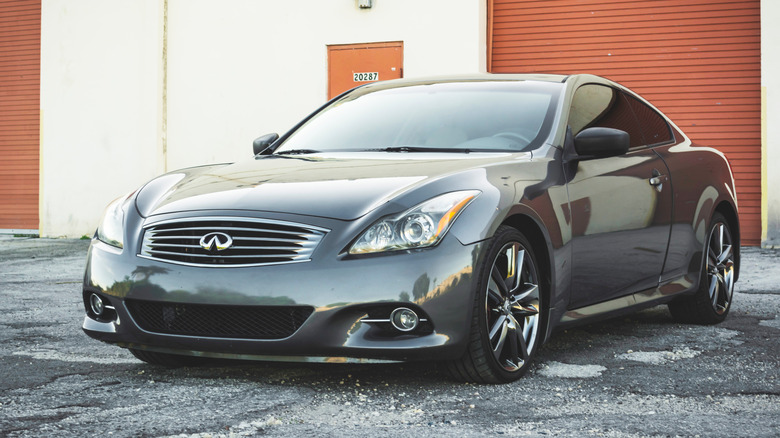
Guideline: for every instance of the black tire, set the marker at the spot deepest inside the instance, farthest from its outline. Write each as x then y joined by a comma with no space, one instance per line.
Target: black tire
166,359
712,301
507,306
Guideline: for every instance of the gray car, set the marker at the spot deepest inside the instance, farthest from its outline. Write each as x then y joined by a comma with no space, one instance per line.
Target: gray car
460,220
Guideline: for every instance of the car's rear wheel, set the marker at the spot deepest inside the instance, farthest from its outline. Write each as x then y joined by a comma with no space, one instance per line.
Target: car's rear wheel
712,300
508,313
166,359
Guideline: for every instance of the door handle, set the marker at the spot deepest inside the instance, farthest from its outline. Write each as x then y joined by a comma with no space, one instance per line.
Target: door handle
658,180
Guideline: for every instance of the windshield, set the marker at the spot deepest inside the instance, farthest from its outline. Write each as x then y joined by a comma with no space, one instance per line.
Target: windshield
463,116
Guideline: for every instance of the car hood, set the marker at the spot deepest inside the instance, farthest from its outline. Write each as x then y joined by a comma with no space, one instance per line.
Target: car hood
339,186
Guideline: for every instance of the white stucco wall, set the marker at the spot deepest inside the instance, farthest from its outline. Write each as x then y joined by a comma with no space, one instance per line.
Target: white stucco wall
99,110
235,70
244,68
770,70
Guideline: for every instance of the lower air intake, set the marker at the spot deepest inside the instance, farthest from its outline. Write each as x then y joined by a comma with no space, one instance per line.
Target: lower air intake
238,322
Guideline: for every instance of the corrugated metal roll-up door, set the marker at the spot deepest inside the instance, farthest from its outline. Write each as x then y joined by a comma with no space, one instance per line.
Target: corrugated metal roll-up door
698,61
20,67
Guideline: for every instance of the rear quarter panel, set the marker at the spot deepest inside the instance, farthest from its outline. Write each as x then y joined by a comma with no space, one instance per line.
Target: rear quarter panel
701,181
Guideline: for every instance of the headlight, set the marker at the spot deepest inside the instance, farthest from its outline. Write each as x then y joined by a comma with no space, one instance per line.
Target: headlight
422,226
110,230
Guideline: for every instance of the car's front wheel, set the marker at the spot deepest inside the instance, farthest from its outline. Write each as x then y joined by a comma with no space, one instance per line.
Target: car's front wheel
508,315
712,300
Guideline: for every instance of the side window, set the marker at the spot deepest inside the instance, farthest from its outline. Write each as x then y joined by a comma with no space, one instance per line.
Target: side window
654,127
605,107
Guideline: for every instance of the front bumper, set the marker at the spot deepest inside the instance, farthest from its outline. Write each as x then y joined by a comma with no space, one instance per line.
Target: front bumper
437,282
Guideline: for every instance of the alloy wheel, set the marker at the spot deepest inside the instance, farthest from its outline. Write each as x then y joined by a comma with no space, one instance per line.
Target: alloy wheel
720,268
512,306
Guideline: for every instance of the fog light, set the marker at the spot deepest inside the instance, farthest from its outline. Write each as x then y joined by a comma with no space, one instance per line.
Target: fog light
404,319
96,304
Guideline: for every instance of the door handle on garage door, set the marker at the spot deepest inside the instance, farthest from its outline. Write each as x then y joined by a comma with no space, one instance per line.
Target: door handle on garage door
658,181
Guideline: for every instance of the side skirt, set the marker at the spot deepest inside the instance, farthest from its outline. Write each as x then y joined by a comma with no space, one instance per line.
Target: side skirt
627,304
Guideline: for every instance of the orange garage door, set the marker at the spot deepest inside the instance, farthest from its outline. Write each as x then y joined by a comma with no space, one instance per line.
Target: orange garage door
698,61
20,66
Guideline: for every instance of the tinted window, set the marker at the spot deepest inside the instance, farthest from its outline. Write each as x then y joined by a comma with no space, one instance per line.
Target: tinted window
605,107
493,115
654,127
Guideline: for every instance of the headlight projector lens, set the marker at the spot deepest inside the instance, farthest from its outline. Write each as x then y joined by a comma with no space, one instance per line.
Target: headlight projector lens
418,228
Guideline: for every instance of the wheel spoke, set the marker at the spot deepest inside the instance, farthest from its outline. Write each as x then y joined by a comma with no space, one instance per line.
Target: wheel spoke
517,269
493,293
514,262
499,330
729,277
530,290
713,289
499,280
524,311
514,350
713,257
530,324
511,265
725,255
519,347
500,345
523,345
721,291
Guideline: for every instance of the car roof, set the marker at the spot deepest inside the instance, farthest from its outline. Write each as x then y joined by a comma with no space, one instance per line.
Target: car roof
479,77
486,77
489,77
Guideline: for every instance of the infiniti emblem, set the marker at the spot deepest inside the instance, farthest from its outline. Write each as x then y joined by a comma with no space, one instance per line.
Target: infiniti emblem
216,240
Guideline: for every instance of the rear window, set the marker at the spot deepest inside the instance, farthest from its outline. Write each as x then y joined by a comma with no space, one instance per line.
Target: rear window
654,127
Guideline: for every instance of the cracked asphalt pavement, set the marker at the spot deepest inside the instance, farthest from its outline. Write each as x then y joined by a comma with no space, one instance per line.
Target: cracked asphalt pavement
634,376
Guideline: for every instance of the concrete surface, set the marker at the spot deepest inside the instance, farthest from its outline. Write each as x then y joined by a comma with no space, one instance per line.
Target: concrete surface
642,375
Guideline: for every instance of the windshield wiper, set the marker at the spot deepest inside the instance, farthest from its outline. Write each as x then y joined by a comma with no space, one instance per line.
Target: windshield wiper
416,149
297,152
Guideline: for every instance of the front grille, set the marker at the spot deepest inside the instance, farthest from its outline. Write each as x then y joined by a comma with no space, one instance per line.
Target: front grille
254,241
237,322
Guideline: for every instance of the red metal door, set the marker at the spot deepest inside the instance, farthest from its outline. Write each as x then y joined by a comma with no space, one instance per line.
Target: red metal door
20,67
350,65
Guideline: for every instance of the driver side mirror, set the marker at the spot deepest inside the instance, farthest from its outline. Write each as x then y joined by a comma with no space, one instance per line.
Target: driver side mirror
261,145
601,142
